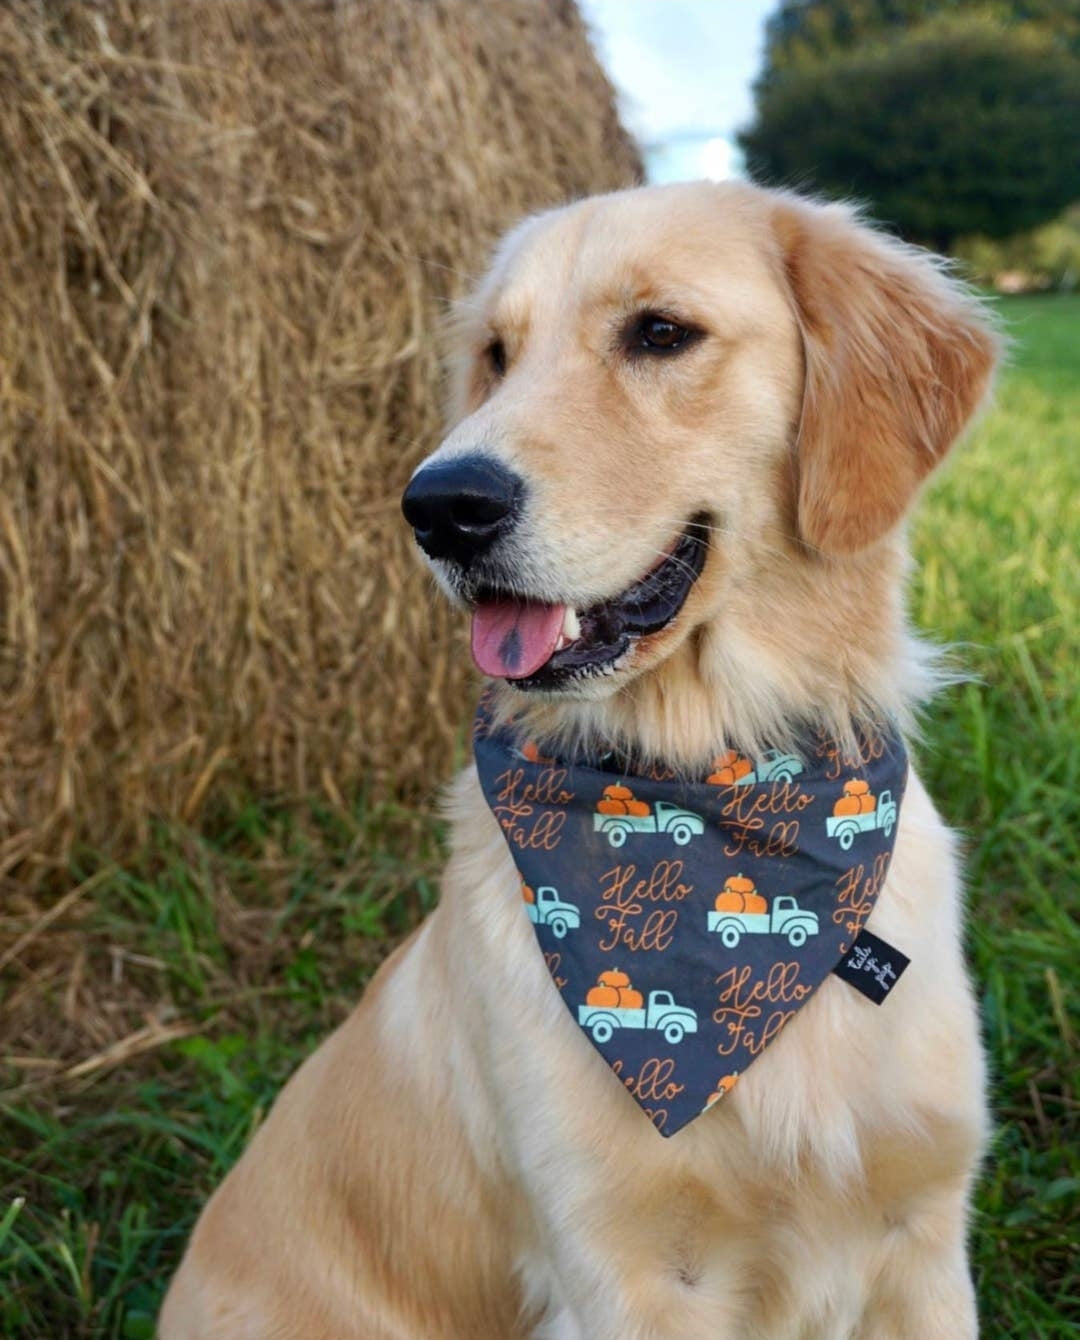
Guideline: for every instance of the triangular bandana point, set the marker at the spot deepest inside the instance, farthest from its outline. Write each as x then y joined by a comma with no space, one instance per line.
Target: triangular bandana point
685,922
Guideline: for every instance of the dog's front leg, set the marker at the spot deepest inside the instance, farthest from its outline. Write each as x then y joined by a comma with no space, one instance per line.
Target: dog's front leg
568,1325
623,1300
924,1286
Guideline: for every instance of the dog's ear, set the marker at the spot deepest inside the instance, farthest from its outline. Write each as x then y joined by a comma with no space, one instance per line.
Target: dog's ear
897,359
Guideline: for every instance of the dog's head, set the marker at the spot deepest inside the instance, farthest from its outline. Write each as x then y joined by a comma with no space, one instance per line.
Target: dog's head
689,421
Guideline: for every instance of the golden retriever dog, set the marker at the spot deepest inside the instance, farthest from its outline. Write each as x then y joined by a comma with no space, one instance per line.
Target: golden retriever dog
749,387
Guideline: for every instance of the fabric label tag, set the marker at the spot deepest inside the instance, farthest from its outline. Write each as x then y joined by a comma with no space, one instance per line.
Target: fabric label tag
872,966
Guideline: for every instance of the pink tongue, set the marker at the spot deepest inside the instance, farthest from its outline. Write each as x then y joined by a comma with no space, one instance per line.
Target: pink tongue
511,640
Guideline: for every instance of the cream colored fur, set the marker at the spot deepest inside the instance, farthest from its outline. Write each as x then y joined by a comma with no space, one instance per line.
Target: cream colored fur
457,1162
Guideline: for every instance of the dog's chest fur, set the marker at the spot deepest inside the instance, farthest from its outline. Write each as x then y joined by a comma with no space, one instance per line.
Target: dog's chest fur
764,1215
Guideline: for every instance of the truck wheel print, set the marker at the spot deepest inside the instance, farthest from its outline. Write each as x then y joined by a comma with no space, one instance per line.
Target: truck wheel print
846,837
673,1032
796,937
730,936
890,824
558,927
602,1030
681,834
616,836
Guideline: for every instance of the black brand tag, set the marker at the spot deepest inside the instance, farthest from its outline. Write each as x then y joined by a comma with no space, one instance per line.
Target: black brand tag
872,966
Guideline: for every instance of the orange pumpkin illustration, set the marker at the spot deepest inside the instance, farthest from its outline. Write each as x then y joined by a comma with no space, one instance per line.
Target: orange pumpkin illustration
530,750
613,977
527,894
602,995
740,894
728,768
856,798
617,800
629,999
723,1086
637,807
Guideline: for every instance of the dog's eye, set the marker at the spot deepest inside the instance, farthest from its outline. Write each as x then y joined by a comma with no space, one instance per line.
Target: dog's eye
495,354
651,333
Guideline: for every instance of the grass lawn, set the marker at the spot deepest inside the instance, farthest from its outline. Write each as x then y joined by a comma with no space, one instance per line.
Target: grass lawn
149,1025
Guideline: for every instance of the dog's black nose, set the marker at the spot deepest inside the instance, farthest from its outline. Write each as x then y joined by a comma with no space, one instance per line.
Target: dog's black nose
459,508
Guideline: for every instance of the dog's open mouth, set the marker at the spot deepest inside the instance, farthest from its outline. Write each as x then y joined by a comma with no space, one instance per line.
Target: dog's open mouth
537,645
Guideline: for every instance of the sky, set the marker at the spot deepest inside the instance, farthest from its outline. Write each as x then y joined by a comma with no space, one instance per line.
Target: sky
684,70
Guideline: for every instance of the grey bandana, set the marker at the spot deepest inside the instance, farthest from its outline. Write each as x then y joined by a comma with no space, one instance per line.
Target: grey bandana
685,921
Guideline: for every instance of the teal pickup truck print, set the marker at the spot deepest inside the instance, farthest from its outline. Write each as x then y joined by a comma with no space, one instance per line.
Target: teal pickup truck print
680,825
785,918
845,828
661,1013
548,909
772,766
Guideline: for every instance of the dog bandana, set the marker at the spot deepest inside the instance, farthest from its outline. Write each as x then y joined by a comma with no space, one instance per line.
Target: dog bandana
684,922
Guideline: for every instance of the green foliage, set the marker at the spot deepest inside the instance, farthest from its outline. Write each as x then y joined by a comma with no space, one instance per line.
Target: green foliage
954,128
1047,258
261,935
999,578
100,1180
803,32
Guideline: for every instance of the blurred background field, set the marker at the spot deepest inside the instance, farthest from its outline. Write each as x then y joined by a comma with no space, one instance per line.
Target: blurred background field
222,715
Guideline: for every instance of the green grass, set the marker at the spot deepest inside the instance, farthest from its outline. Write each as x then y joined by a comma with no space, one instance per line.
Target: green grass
262,936
1000,579
259,935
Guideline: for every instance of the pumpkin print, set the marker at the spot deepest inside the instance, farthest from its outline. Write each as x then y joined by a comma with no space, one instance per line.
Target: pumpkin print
728,768
613,977
603,996
613,989
527,894
611,807
740,894
637,807
618,793
723,1086
857,798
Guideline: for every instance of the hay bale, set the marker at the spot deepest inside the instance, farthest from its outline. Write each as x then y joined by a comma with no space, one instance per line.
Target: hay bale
227,234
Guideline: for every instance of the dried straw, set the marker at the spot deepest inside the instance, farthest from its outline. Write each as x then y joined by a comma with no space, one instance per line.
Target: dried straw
228,230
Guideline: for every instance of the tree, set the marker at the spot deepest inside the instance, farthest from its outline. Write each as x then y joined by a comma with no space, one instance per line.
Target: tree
802,32
958,127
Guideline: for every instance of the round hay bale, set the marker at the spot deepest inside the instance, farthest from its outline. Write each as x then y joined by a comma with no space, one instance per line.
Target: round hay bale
228,233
